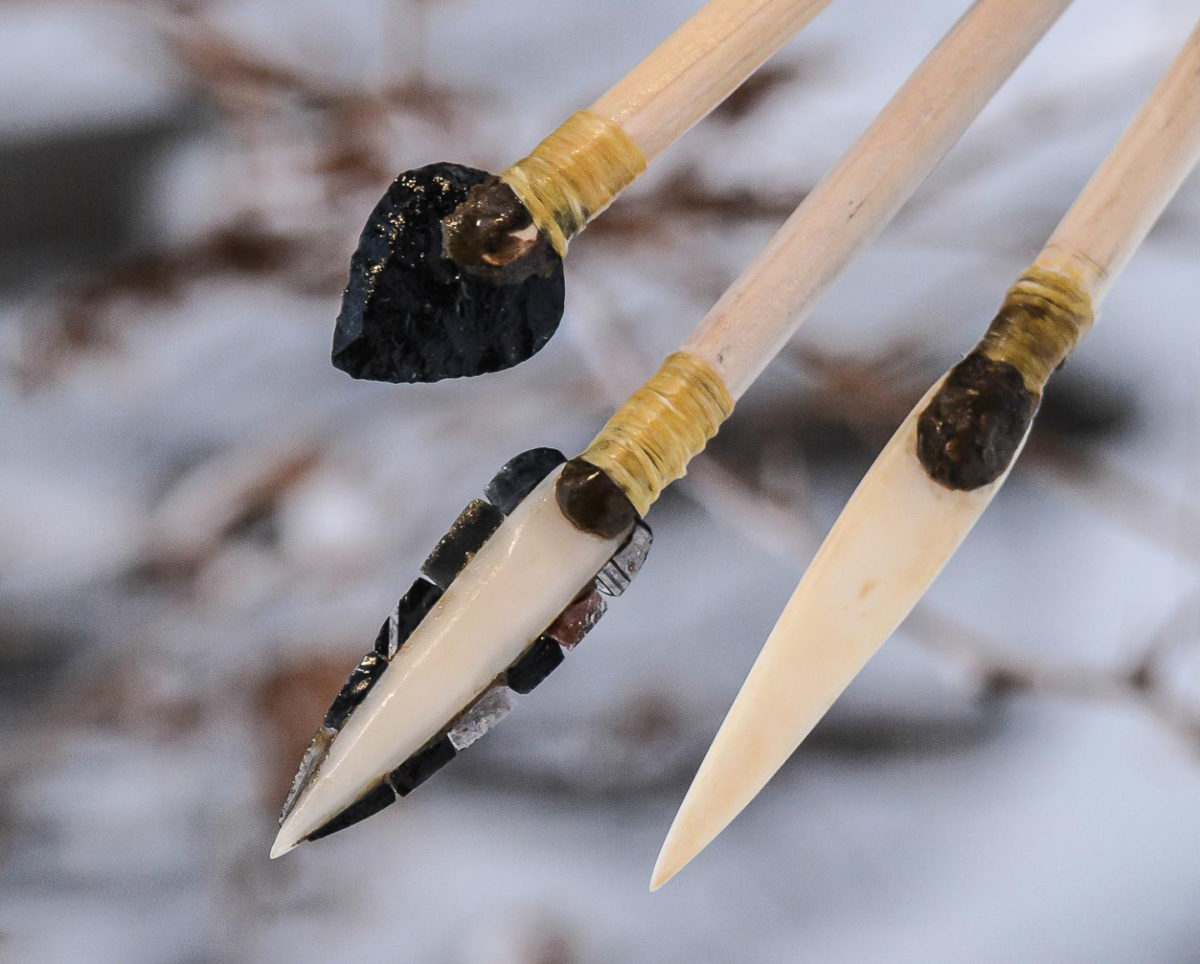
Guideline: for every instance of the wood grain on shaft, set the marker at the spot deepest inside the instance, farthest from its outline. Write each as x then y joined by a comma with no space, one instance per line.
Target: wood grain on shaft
698,66
1098,235
853,202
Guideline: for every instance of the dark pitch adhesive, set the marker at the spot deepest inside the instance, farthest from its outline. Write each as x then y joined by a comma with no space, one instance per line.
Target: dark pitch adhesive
972,428
591,501
450,278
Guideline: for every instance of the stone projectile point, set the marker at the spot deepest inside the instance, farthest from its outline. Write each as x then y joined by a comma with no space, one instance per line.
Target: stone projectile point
411,314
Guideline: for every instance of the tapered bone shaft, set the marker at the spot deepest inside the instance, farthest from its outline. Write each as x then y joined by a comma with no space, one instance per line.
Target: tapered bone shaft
901,527
698,66
514,587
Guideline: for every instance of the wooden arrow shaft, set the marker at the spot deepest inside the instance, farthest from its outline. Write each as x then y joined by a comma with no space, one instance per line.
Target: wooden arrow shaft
698,66
1110,218
754,319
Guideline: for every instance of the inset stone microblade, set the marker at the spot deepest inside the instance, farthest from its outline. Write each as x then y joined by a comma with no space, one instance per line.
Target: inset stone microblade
520,475
470,531
317,750
360,680
577,620
619,571
413,606
422,765
484,714
542,658
365,806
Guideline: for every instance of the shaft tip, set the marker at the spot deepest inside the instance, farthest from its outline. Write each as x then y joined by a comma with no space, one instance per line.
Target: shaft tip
284,843
695,826
670,862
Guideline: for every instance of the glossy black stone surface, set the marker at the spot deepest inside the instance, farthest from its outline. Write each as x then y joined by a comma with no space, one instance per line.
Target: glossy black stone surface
413,606
537,662
421,766
470,531
381,797
411,314
520,475
356,687
973,426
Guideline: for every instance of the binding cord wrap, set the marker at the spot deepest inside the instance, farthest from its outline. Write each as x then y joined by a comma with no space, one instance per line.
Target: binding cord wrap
1043,317
574,174
649,441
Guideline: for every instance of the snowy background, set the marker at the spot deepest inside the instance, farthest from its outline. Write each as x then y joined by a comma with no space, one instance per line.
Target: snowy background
202,522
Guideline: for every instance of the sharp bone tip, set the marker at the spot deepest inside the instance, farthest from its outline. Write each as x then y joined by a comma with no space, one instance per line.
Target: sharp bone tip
671,859
279,848
285,841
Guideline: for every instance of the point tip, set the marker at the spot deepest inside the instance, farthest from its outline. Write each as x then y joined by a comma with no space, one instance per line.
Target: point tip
673,857
283,844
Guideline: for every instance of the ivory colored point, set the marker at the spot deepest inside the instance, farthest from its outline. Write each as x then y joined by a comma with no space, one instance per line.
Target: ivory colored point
893,538
513,588
282,845
670,860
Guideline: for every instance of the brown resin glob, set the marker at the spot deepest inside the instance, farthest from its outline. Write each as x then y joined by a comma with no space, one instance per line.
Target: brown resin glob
971,430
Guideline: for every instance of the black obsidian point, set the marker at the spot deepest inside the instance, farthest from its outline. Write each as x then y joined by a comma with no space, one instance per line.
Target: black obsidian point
366,806
520,475
410,313
537,662
971,430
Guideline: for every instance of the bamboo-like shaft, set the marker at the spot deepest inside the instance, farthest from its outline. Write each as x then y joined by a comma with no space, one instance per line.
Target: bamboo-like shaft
698,66
755,317
1110,218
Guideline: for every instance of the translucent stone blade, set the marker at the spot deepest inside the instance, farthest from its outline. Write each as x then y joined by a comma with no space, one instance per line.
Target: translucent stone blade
510,590
489,710
577,620
313,757
894,536
616,576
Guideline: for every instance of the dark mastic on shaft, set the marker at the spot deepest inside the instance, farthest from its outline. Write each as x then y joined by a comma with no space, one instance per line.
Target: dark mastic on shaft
974,425
450,278
971,430
593,502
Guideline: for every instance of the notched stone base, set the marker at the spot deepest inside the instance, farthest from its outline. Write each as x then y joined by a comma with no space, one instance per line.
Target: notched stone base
971,430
